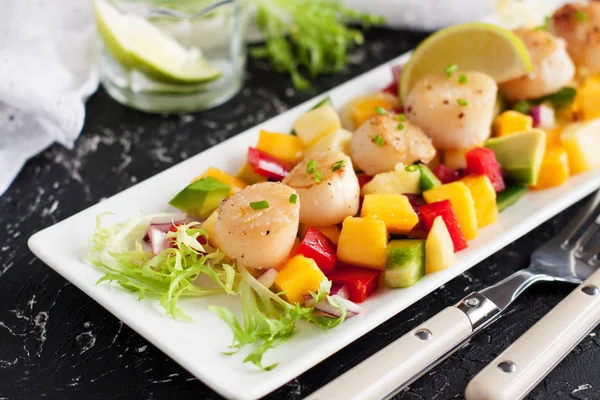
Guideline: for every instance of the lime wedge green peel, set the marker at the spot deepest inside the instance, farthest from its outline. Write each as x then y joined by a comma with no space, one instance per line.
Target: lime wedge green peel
474,46
136,43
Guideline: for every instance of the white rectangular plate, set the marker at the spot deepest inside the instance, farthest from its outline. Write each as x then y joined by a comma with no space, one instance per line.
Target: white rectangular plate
197,346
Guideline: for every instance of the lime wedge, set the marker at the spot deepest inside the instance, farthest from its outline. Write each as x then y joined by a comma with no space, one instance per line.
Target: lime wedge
136,43
473,47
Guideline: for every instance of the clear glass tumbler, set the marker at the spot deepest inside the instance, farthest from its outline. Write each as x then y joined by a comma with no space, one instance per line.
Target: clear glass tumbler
171,55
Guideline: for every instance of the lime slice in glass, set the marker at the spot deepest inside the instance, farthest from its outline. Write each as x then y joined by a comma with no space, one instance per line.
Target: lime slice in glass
474,46
136,43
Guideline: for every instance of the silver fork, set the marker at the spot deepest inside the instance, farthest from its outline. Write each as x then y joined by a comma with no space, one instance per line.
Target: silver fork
515,372
399,364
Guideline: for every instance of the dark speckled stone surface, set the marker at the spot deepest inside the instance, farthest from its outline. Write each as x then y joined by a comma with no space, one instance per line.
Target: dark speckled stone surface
57,343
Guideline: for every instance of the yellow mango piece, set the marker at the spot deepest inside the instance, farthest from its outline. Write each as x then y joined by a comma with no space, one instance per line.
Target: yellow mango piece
332,232
455,158
209,226
298,277
247,175
366,109
484,197
587,100
511,122
284,147
235,183
363,242
553,137
555,168
393,209
317,123
462,202
582,141
439,249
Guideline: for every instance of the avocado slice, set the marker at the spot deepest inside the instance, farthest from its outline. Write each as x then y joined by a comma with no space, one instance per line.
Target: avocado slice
201,197
509,196
405,262
520,155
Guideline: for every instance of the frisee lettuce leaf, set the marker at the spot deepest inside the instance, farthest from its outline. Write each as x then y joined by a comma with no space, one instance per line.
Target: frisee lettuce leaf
118,251
268,320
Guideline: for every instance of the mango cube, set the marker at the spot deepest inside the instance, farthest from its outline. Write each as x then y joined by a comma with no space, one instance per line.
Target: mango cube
209,226
317,123
462,202
235,183
363,242
285,147
455,158
588,98
393,209
298,277
367,108
511,122
484,197
555,168
439,249
582,143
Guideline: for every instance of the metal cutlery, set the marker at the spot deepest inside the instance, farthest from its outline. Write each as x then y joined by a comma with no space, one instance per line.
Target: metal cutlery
515,372
399,364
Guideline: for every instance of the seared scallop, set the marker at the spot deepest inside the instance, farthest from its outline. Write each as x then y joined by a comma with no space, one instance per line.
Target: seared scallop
384,141
579,25
457,111
257,226
328,188
552,67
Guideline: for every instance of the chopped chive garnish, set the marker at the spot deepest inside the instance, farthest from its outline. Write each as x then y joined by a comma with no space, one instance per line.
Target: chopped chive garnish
311,167
462,79
581,16
318,177
462,102
338,165
378,140
411,168
259,205
401,117
450,69
400,127
293,198
545,25
380,110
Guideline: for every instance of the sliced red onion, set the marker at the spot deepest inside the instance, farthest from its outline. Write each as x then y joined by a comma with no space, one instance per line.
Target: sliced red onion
397,71
158,240
339,289
543,116
327,309
268,277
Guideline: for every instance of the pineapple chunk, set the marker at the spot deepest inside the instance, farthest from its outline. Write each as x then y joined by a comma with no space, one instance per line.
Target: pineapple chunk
484,196
336,141
455,159
393,209
363,242
439,249
317,123
582,143
209,226
298,277
399,181
462,202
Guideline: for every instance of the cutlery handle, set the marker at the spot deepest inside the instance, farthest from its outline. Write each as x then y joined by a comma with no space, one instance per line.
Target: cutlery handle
401,361
515,372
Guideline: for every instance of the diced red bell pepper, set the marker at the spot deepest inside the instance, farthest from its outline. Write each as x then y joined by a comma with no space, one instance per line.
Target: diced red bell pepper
445,173
317,246
482,161
266,165
444,209
361,282
363,179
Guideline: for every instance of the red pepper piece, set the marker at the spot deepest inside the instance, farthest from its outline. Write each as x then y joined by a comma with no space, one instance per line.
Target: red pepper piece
482,161
317,246
445,173
266,165
444,209
361,282
363,179
392,88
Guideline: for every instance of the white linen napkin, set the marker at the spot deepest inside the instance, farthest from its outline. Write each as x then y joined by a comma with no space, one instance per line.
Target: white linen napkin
47,65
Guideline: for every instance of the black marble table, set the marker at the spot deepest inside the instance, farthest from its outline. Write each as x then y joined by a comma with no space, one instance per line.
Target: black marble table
55,342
